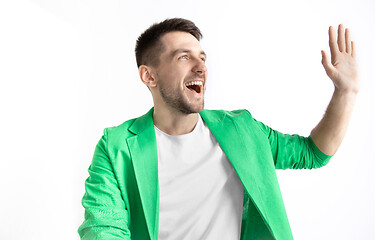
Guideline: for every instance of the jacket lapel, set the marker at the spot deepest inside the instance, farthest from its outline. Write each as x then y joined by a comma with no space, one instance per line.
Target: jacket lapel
144,155
231,142
248,162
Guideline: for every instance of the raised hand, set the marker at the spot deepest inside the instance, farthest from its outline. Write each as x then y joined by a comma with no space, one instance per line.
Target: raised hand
342,69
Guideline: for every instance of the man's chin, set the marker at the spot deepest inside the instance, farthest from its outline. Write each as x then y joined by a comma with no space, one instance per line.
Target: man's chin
200,109
192,109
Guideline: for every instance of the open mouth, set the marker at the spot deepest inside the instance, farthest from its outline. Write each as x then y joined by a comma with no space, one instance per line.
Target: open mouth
195,86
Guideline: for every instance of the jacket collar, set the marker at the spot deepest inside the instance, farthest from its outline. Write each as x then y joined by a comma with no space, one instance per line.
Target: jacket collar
142,123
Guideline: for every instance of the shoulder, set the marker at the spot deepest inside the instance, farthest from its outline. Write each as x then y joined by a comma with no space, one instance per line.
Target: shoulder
123,127
242,118
120,128
234,114
129,128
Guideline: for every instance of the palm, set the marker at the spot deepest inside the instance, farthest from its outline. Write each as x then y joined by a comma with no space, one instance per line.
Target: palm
342,69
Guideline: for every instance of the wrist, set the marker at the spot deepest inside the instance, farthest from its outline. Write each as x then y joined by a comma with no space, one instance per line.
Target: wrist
343,96
349,92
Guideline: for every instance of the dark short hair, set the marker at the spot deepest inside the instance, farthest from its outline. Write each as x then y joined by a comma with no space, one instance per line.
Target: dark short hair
149,46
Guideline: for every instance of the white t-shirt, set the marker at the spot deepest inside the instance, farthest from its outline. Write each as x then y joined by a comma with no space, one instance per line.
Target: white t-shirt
201,195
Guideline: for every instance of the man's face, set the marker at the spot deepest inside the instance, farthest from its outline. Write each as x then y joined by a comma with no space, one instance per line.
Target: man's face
181,74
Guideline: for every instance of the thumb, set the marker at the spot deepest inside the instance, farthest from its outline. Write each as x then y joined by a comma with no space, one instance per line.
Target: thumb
327,64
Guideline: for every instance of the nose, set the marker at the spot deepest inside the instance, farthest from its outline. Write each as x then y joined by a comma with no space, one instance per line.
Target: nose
200,67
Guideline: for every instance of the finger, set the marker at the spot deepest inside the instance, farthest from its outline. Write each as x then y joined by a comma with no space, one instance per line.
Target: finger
353,50
326,63
332,42
347,41
341,38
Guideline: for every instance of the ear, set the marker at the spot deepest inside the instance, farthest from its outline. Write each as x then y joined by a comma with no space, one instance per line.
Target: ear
146,76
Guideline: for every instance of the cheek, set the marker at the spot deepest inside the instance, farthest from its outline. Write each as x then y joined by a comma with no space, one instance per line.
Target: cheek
174,77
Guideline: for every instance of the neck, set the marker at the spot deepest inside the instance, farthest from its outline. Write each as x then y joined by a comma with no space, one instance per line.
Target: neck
173,122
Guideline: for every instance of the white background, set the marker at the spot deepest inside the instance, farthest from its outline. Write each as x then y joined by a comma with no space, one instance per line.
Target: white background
67,71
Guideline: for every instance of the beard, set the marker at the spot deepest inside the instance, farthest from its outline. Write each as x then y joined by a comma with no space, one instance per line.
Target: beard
175,100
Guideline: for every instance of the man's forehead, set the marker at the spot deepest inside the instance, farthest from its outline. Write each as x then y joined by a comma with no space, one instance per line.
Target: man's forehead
173,41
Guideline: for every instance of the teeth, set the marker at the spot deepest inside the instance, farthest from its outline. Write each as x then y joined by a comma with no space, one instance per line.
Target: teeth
195,83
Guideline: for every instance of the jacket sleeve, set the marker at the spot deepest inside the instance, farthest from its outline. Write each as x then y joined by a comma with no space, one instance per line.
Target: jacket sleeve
293,151
106,216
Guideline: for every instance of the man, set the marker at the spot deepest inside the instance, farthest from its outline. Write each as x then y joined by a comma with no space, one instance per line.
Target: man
181,172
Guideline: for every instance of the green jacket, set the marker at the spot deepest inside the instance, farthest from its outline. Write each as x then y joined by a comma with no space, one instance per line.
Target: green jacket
122,194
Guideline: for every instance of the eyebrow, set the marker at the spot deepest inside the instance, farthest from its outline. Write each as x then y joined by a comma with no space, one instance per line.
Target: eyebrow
182,50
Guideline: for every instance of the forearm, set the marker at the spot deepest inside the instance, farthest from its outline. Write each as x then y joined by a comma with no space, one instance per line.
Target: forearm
330,131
